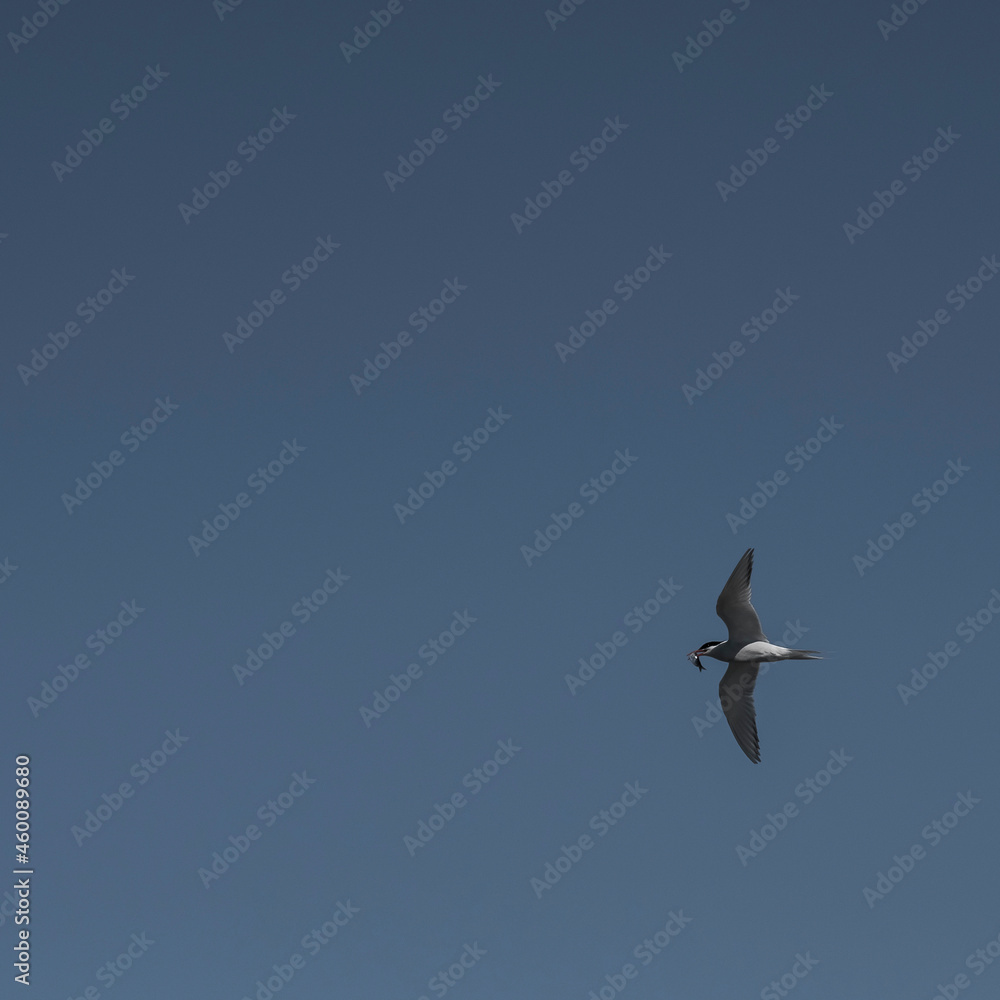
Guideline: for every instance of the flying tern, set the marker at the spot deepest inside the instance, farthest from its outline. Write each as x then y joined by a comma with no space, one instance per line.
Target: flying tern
745,649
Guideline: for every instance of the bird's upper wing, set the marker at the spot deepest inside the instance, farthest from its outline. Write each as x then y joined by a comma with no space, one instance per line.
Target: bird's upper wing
734,607
736,695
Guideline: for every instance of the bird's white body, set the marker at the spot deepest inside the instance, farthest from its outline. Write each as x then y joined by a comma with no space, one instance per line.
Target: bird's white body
764,651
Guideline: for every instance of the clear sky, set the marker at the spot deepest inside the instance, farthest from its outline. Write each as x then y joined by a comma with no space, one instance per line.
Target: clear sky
387,397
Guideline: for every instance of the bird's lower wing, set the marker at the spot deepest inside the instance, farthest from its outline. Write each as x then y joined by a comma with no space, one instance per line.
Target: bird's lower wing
736,695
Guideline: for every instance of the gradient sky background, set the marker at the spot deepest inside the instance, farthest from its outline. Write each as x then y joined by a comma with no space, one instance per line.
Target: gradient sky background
665,517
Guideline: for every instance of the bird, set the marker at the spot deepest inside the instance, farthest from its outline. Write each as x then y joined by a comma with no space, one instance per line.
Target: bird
745,649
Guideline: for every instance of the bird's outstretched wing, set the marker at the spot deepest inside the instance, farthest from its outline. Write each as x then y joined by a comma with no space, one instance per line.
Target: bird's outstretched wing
736,695
734,607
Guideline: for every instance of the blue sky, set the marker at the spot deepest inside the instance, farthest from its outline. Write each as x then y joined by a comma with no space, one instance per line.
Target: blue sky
383,421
